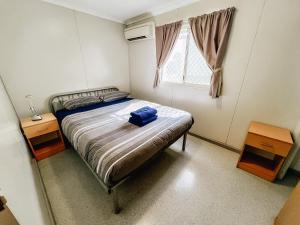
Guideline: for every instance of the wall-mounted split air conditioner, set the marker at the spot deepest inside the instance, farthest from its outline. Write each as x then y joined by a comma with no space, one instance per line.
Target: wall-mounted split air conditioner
140,32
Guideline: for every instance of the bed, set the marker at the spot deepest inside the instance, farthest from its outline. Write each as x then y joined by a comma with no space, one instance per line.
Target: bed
112,148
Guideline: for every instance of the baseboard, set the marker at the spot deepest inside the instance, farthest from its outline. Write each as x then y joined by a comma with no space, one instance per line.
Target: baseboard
291,170
44,193
217,143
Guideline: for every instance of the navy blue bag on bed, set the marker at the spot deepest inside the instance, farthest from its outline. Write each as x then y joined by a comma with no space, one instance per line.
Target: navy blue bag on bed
141,123
143,113
143,116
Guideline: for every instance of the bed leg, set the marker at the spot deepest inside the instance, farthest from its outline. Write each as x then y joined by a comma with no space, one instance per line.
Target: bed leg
184,141
116,206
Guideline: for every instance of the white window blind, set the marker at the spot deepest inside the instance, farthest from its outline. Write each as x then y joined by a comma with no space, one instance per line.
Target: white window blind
186,63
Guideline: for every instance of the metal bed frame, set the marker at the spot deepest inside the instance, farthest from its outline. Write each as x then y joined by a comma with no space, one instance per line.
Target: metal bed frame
111,190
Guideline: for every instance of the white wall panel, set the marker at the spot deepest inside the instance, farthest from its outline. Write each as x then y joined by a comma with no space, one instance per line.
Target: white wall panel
18,183
47,49
105,52
271,89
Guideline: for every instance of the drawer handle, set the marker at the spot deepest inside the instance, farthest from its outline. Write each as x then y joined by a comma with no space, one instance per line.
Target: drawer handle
266,145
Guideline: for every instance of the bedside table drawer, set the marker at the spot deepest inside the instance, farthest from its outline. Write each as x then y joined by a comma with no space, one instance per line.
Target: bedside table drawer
268,144
40,129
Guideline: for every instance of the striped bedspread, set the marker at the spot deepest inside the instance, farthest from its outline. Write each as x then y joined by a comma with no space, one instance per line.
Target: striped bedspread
112,146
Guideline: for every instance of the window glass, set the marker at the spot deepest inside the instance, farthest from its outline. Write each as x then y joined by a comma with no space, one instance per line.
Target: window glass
173,69
186,63
198,71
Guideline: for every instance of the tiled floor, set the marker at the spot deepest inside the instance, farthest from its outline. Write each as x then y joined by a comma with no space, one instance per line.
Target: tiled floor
199,186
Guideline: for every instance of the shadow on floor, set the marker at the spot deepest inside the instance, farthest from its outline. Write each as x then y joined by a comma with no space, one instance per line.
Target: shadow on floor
290,180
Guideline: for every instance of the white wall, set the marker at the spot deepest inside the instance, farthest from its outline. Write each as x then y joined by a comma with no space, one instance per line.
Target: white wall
260,77
17,180
270,91
46,49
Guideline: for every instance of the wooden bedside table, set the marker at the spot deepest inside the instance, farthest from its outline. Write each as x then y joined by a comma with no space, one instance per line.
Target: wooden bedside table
44,136
265,150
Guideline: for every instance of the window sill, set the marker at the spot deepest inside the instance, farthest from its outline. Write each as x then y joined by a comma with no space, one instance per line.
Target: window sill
202,86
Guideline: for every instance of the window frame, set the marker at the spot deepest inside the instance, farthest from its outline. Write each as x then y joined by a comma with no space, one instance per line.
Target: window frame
184,73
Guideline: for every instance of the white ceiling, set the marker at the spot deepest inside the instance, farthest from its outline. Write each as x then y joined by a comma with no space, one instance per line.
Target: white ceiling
121,10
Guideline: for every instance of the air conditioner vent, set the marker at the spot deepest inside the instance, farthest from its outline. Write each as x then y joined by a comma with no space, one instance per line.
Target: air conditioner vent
137,38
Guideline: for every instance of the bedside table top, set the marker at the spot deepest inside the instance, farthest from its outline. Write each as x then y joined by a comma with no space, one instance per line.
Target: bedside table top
278,133
47,117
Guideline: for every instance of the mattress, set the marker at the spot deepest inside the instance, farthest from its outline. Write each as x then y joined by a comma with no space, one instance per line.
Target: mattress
112,146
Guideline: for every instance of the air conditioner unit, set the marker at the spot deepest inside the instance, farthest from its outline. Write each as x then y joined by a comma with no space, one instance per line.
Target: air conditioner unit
140,32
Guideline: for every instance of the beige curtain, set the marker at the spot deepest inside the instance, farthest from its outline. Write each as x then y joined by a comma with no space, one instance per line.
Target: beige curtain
166,37
211,33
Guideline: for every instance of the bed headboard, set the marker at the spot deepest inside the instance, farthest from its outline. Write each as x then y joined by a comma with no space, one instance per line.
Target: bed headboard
55,101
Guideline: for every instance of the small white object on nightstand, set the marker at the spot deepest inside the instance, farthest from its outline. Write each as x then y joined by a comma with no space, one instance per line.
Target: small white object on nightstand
35,115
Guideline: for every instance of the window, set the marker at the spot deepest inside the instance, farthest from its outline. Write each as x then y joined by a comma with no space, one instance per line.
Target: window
186,63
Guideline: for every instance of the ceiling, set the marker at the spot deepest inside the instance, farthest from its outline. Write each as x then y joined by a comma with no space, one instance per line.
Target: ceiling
121,10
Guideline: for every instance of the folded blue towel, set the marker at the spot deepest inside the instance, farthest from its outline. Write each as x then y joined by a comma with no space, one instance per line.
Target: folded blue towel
141,123
143,113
